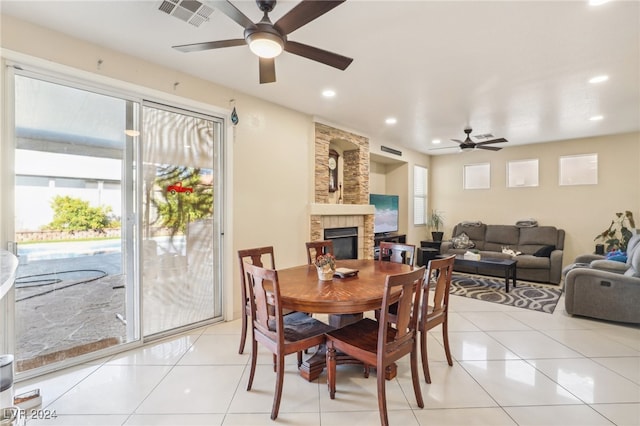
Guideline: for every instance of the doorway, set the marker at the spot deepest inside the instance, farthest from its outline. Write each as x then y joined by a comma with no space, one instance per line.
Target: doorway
117,207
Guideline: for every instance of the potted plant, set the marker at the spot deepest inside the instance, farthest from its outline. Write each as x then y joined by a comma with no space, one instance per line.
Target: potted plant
435,221
617,235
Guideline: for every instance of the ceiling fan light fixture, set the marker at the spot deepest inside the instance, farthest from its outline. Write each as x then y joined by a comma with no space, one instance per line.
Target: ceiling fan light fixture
265,45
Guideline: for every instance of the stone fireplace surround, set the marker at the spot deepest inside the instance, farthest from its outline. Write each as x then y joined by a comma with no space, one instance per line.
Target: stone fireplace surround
355,210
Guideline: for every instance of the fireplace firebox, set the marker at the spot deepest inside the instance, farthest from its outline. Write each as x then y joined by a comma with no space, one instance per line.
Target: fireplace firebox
345,242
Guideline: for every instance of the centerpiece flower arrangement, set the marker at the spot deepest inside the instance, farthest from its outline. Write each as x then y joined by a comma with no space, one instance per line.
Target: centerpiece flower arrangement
326,266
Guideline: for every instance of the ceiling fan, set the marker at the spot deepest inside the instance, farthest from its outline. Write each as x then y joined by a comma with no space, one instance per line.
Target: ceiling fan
268,40
468,144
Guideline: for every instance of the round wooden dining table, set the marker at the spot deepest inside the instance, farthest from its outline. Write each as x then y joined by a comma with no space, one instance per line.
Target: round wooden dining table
301,290
345,299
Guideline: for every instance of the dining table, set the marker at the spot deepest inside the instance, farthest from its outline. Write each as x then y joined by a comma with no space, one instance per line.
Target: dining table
344,299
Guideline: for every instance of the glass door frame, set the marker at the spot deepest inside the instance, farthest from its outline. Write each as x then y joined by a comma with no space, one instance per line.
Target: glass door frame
12,64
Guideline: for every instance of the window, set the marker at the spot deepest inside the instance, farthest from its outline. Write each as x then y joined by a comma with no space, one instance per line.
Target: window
579,169
477,176
419,195
521,173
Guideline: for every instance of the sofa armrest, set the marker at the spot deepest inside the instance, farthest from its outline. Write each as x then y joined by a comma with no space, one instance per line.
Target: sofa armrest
446,246
588,258
555,266
600,294
609,266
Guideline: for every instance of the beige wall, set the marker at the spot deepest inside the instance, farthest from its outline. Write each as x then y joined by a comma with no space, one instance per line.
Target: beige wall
582,211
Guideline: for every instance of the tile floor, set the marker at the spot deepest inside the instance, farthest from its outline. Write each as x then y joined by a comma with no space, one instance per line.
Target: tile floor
511,367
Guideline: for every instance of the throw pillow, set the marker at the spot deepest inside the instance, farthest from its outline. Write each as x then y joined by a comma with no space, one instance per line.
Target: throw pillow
544,251
462,241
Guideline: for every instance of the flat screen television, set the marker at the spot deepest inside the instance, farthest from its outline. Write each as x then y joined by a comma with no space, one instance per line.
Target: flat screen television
385,216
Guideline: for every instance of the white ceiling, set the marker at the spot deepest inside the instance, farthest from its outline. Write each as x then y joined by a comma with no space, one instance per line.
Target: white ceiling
515,69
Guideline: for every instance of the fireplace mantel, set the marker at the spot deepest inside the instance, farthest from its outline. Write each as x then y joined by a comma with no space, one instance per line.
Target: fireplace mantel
317,209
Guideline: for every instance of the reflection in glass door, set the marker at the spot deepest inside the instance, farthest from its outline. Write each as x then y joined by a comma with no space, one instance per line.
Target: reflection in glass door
75,292
180,250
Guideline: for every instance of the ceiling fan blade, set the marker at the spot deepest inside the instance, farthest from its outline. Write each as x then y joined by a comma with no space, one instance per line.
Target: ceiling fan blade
490,148
319,55
208,45
457,140
267,70
499,140
232,12
305,12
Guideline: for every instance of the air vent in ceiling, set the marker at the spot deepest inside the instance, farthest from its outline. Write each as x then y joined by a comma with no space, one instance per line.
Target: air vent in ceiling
191,11
390,150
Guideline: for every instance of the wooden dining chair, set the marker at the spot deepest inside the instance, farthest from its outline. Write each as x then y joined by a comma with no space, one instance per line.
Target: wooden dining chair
381,343
434,313
257,256
397,252
281,334
316,248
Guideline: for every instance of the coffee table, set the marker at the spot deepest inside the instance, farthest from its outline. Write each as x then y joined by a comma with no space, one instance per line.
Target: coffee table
508,266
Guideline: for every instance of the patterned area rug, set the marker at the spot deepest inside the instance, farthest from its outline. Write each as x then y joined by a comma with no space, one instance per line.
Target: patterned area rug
527,295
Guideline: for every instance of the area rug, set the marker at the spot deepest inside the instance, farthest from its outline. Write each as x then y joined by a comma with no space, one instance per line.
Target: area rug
526,295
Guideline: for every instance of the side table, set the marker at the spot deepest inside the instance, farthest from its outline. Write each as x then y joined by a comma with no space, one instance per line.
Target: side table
431,244
425,254
428,251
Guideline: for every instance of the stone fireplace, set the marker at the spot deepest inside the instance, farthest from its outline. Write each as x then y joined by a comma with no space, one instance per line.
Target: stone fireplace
350,209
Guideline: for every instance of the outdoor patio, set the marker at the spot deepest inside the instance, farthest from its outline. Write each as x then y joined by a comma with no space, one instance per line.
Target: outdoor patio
78,314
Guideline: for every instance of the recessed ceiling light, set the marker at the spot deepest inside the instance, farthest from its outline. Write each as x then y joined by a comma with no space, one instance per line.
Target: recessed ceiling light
597,2
596,118
391,120
328,93
436,141
599,79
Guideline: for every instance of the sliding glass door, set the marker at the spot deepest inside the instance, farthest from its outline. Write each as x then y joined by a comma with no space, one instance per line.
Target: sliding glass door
117,208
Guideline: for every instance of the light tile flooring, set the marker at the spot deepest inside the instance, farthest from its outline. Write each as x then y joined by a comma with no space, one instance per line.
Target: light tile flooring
511,367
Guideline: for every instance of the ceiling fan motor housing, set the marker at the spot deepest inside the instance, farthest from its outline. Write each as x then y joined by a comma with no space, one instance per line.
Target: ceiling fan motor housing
266,5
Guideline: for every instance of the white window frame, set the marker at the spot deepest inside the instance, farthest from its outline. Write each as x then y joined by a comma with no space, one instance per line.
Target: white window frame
420,193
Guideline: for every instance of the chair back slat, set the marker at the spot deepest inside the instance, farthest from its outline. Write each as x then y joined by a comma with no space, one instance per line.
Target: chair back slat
400,340
397,252
439,275
264,297
256,256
